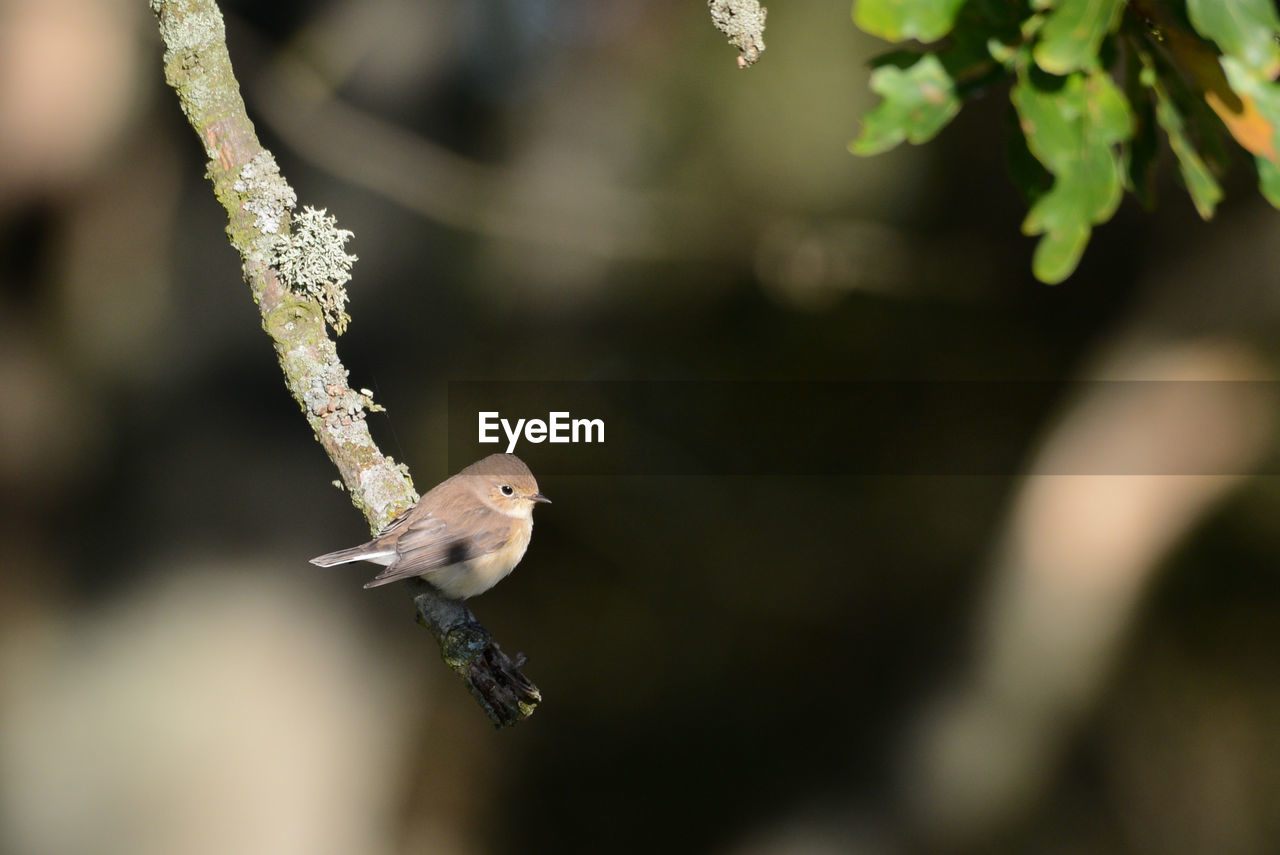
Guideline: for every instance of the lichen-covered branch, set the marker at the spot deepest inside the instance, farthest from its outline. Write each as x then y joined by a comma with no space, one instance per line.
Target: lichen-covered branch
743,22
308,249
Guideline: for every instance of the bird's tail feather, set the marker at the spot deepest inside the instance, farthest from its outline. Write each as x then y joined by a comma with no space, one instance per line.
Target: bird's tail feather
344,556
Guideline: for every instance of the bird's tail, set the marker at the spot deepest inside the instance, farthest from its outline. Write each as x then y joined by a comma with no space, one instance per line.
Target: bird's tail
363,552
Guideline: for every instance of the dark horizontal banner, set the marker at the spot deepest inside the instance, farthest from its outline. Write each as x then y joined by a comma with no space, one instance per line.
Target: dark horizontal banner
863,428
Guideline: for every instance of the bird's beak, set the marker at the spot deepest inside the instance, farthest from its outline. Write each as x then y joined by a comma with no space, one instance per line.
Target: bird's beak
538,497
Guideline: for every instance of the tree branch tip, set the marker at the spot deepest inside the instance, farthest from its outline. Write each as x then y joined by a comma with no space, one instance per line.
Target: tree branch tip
742,21
463,645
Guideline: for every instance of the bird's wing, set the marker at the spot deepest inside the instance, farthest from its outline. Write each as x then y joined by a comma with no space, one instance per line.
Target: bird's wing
429,543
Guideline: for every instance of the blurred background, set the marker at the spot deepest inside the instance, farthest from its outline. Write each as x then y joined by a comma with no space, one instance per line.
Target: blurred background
565,191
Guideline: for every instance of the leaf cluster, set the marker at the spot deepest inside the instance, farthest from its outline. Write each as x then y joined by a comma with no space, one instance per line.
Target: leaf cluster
1095,85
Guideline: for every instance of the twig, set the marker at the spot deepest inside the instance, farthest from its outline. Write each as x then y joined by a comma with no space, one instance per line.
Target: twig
257,199
743,22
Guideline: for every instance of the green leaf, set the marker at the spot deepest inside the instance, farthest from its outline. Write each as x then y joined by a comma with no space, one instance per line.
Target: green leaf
899,20
1073,33
1072,131
1269,180
1141,149
1110,119
1088,194
1058,253
918,102
1244,29
1203,188
1029,176
968,56
1202,125
1261,97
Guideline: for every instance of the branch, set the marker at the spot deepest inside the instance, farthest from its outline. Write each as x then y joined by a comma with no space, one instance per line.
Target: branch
247,181
743,22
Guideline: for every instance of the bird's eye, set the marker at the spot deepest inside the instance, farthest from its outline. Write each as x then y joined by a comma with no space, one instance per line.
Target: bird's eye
506,490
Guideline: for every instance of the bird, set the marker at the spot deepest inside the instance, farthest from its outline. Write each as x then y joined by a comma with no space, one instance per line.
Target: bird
464,536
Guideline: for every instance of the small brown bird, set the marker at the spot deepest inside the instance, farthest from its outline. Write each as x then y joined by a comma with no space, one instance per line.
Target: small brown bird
464,536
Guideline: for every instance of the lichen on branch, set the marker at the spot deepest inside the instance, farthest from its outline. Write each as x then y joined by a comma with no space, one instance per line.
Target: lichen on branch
267,195
743,22
311,260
